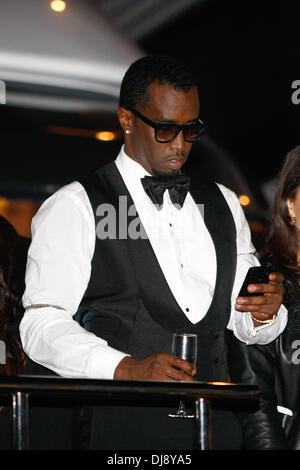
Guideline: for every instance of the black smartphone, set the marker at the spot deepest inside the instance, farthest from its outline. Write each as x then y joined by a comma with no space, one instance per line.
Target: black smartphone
255,275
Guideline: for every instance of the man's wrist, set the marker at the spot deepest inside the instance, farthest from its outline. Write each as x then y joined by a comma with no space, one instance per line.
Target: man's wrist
258,322
121,367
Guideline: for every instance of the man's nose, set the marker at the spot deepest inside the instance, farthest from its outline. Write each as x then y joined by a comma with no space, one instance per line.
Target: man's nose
178,142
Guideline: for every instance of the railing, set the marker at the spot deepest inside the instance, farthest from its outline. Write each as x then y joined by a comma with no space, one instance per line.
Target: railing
19,389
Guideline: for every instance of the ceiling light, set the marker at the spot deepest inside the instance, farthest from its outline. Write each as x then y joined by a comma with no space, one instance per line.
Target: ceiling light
105,135
244,200
58,5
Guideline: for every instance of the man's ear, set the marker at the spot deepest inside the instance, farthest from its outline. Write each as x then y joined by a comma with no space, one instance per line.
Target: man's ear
125,118
291,207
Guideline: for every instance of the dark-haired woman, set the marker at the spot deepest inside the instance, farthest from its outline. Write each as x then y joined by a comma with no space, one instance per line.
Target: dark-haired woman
51,428
13,253
275,367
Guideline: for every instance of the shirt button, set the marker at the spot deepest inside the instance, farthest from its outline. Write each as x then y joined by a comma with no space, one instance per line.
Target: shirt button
170,225
187,309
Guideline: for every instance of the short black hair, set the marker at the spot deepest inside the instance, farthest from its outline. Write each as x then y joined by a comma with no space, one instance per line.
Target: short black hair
154,68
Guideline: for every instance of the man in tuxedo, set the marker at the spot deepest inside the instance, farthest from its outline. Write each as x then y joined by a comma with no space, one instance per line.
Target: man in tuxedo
177,266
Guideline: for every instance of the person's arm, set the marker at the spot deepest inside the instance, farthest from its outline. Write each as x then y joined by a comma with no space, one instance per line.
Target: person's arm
263,307
159,366
58,272
255,365
57,275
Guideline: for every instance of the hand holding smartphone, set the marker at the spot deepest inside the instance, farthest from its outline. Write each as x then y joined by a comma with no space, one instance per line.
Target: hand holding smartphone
263,309
255,275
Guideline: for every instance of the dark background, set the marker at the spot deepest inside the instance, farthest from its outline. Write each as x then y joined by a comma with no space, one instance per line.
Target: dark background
246,56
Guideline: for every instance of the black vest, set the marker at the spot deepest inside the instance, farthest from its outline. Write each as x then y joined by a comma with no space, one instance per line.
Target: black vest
128,301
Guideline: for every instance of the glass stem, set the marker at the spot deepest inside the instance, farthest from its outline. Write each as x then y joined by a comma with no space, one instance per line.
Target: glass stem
181,408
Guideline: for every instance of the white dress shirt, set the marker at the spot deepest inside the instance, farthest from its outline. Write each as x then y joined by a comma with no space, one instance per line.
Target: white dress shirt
59,268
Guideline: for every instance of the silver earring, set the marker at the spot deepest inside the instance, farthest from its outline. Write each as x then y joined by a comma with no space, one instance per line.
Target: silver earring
127,131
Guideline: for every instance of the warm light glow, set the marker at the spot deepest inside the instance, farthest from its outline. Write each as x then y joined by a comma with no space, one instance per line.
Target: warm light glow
220,383
58,5
4,203
19,212
244,200
71,131
88,133
105,135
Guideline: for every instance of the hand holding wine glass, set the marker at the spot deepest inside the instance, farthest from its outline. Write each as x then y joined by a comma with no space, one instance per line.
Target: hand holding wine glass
156,366
184,345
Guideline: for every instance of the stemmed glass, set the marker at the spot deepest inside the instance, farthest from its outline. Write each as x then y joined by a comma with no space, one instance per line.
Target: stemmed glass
184,345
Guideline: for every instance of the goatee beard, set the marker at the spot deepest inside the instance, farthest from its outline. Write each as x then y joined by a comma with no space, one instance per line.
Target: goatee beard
161,173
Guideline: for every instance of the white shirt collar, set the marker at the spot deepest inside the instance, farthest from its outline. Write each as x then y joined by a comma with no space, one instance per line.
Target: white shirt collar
128,165
132,172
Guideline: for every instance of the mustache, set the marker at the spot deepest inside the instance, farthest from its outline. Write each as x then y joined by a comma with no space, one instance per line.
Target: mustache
176,155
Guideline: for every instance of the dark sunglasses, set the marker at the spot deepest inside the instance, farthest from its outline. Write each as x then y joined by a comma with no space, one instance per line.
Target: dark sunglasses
167,132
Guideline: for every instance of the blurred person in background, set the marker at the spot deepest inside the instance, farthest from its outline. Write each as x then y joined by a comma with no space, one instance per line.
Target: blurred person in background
50,428
275,367
13,255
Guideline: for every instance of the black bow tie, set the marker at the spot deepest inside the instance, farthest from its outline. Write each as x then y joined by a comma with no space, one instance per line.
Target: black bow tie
178,187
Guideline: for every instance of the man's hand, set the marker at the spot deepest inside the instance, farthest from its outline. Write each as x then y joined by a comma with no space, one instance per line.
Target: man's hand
263,307
159,366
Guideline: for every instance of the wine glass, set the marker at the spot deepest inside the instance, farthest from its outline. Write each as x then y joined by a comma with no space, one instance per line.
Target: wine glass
184,345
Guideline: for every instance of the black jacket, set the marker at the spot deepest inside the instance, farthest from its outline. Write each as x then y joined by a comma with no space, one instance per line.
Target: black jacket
275,368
